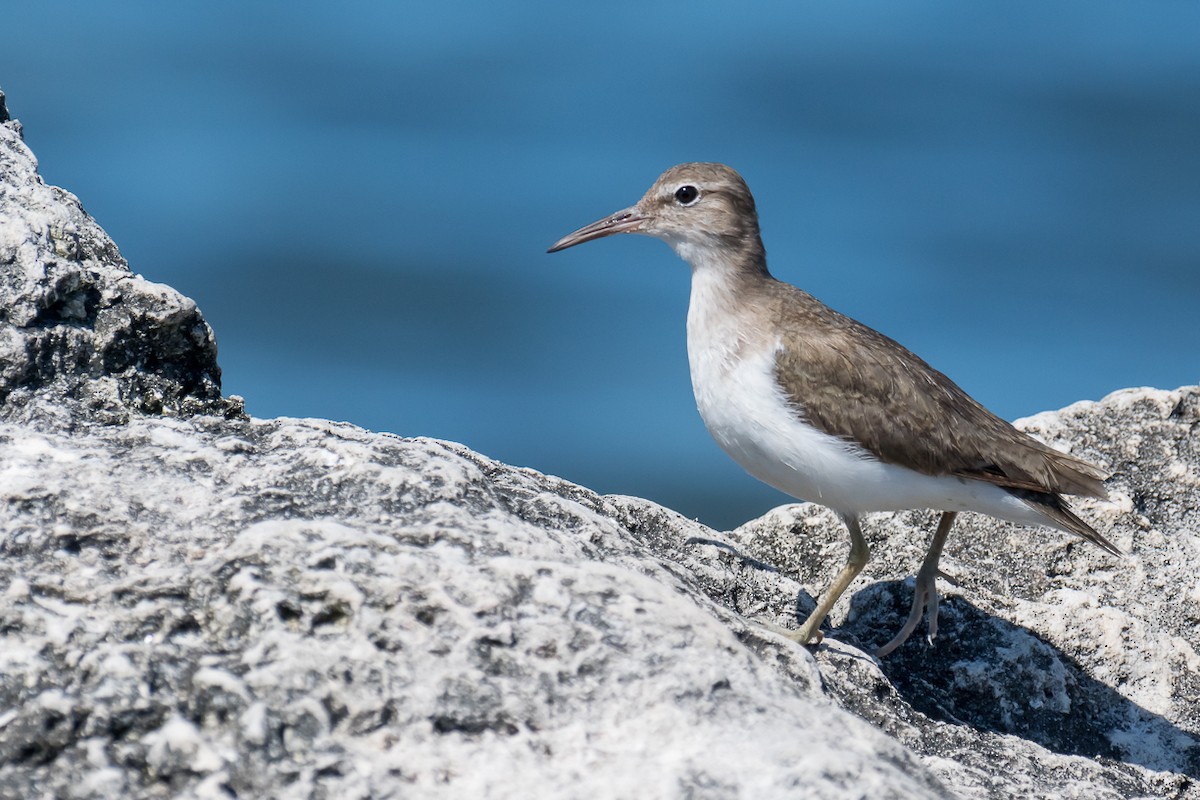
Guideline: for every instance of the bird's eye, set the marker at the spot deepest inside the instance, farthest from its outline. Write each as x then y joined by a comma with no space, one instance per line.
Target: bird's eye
686,195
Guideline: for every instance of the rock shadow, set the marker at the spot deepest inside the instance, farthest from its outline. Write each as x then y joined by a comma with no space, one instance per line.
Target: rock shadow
992,675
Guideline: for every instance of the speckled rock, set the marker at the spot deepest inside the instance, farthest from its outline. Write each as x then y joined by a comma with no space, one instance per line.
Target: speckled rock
296,608
197,604
76,325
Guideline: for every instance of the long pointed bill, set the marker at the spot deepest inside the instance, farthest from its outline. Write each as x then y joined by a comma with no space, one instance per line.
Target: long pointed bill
628,220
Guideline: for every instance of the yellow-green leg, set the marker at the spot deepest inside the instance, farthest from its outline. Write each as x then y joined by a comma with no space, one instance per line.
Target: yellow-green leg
925,593
859,555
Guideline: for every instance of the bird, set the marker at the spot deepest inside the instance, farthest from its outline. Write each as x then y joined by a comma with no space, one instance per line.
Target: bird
829,410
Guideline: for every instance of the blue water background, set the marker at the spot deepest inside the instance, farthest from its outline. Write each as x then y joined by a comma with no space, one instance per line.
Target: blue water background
359,196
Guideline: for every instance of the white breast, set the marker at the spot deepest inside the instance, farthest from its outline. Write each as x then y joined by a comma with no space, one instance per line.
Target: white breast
745,410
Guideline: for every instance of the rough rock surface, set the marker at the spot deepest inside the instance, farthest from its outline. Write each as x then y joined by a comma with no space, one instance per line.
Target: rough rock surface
196,604
76,325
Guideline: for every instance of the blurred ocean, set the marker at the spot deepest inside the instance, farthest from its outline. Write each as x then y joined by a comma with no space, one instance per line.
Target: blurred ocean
359,196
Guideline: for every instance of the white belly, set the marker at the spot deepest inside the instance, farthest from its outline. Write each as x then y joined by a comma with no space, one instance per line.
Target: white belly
747,413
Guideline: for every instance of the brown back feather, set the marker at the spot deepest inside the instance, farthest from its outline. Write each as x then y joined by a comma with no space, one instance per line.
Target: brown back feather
853,382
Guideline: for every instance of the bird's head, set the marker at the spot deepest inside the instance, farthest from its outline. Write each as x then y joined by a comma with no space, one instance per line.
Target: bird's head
701,209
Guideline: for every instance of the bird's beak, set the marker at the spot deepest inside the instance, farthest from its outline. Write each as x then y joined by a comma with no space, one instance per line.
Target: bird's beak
628,220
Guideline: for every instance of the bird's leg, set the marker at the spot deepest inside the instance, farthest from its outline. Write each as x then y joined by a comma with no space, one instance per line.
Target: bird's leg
859,553
925,593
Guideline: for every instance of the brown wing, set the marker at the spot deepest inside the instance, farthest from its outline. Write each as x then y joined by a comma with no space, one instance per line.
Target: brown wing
853,382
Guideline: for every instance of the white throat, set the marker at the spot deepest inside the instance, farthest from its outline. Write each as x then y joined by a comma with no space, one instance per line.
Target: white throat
703,254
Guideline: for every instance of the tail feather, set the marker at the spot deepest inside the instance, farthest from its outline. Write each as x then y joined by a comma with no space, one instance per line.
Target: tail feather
1075,476
1025,464
1060,515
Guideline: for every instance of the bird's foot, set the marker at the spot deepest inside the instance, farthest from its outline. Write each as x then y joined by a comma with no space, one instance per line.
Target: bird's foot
814,638
809,632
950,579
802,635
925,597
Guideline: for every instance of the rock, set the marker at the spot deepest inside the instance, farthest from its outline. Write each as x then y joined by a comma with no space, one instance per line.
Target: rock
246,605
76,326
198,604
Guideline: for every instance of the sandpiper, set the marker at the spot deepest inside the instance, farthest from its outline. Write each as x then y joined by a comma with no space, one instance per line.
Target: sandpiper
827,409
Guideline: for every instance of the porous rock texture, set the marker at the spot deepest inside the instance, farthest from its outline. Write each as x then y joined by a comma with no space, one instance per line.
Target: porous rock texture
194,603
